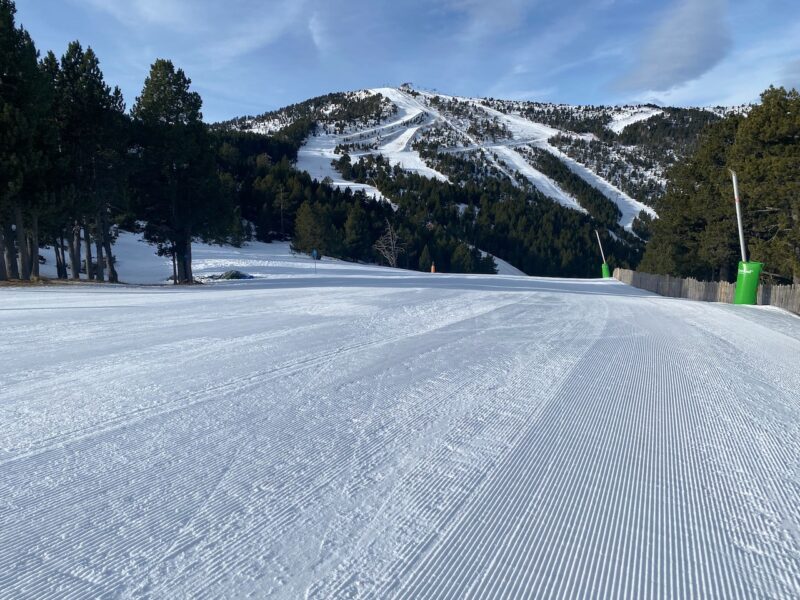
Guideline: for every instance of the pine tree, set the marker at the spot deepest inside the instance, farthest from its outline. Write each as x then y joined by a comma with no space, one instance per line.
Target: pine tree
462,260
695,234
22,108
92,143
425,261
357,235
175,176
309,230
766,156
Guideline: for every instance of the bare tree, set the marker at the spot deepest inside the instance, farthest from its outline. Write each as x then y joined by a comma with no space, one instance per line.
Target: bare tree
389,245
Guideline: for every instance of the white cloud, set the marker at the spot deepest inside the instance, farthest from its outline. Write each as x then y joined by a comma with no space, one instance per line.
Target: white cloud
251,31
740,77
213,33
539,58
490,18
175,14
319,34
689,40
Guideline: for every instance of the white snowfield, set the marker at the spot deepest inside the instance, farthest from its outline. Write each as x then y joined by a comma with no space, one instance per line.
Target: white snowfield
629,115
393,139
377,433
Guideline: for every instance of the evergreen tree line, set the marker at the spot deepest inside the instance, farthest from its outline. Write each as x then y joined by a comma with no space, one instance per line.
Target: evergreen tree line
74,162
282,203
516,224
335,111
632,169
604,211
77,167
696,233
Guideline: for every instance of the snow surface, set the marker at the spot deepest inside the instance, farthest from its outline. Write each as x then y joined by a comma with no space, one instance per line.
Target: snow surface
378,433
315,157
137,261
537,134
628,206
539,180
504,268
629,115
392,139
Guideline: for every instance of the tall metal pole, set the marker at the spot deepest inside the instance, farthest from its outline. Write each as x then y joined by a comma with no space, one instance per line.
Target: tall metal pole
599,243
738,214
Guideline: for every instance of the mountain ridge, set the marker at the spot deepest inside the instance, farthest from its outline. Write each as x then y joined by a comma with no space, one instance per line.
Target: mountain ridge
620,152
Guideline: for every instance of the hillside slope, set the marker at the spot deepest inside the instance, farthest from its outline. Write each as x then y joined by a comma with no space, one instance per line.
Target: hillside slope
620,152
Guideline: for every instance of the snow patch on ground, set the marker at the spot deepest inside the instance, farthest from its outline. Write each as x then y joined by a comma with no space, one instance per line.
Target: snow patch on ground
629,115
138,262
315,157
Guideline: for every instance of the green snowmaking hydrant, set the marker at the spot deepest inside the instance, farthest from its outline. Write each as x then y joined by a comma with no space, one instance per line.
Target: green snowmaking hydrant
746,291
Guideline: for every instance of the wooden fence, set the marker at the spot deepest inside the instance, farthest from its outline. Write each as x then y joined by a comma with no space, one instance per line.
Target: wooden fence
782,296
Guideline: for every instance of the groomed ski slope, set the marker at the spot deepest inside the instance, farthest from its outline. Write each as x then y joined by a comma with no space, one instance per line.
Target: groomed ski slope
396,435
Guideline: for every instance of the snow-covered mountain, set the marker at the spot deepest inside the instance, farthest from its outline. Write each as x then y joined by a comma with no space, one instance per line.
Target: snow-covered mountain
599,160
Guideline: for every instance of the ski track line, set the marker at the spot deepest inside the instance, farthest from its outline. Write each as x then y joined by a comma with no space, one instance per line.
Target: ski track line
553,526
360,346
421,495
344,460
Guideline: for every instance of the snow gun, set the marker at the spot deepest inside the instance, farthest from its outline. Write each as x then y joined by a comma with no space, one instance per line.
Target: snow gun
746,291
605,270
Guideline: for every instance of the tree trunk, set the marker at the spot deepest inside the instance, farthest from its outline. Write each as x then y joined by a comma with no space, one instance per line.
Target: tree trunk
22,244
174,266
188,258
74,243
33,257
3,272
106,234
59,260
10,253
87,240
98,244
60,241
34,246
180,260
796,229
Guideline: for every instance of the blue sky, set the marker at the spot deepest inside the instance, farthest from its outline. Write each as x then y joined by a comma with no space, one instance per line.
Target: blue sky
249,56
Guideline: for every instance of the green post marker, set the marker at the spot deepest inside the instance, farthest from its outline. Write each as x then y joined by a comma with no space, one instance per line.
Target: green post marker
606,272
746,291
